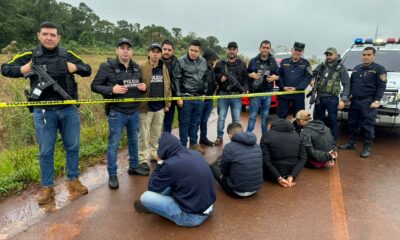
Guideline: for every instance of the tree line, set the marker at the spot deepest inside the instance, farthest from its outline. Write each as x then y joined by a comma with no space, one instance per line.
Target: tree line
81,27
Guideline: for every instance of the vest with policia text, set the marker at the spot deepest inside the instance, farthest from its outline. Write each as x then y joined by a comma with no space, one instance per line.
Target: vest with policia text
328,82
55,63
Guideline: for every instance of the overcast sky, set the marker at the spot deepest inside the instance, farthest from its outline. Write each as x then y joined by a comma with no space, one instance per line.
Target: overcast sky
317,23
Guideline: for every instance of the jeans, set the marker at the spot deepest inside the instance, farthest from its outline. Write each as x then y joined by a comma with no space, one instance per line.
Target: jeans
169,117
47,123
294,101
255,103
208,107
117,121
163,204
189,120
329,104
223,105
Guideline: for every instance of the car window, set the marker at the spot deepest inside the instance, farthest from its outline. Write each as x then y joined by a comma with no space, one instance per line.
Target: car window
387,58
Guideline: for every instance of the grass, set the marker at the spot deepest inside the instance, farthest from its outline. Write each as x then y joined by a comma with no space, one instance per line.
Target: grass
19,166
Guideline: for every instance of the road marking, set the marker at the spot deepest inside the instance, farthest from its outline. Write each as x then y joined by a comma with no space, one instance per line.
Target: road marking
340,230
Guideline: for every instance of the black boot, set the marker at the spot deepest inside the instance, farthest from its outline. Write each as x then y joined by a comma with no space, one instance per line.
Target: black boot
140,208
366,150
350,145
206,142
113,182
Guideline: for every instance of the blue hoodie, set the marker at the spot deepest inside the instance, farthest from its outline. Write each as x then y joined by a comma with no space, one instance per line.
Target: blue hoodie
186,172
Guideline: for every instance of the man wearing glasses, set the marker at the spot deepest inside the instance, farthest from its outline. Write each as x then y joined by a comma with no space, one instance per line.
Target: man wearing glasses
295,75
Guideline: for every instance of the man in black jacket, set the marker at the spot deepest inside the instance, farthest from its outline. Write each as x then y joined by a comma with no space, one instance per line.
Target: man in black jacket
283,154
236,68
121,78
239,170
210,56
318,140
190,74
60,64
181,188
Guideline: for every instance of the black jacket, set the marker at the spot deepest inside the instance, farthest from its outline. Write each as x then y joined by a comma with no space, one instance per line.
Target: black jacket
190,76
186,172
113,72
318,141
238,70
282,149
171,65
267,68
241,163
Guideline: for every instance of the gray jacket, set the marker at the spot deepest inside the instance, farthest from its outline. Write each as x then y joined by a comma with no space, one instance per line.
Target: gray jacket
190,76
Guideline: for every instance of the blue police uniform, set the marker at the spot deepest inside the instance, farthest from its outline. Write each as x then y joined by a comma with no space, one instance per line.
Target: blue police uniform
367,84
293,74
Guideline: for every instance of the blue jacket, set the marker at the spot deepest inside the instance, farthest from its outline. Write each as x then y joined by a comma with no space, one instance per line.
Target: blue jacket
186,172
368,81
241,163
294,74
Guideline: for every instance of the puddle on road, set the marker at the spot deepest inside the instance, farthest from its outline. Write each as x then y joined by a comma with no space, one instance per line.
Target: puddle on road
18,213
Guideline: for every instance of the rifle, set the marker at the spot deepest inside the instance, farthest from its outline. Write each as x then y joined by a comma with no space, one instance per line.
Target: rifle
235,81
314,98
45,81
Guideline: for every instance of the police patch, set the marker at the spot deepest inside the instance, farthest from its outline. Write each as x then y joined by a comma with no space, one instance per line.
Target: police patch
383,77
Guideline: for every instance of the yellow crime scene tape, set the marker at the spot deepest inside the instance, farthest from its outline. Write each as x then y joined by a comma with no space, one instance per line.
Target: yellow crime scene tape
126,100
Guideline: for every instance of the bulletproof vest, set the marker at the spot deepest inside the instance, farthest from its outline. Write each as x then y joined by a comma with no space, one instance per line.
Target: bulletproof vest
57,68
117,71
265,70
329,83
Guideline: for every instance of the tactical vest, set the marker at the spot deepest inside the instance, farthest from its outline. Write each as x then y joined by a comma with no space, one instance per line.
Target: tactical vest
331,83
261,85
57,68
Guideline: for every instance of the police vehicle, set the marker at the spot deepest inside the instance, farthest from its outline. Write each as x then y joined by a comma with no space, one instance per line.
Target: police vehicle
388,55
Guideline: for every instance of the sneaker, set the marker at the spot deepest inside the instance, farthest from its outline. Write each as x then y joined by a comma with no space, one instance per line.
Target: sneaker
46,195
76,186
206,142
138,171
348,146
366,151
197,147
113,182
140,208
219,141
144,166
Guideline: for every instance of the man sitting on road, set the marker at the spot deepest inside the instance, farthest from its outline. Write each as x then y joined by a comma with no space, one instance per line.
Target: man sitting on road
283,154
181,188
318,140
239,170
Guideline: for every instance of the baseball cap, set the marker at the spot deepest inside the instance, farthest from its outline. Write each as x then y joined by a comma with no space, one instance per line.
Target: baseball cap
303,115
331,50
155,45
124,40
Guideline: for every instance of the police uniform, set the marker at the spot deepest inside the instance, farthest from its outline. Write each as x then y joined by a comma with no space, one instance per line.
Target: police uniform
367,84
48,120
293,74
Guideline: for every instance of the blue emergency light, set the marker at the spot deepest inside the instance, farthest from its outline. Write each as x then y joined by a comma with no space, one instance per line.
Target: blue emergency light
358,41
369,41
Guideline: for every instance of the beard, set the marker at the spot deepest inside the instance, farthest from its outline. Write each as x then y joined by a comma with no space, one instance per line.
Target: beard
232,56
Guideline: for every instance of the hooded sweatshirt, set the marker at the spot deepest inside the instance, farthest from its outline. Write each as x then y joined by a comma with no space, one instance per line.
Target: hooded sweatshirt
186,172
318,141
241,163
281,148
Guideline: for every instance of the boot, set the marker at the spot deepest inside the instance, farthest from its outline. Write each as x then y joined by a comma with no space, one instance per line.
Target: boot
46,195
197,147
76,186
219,141
113,182
350,145
206,142
366,150
137,204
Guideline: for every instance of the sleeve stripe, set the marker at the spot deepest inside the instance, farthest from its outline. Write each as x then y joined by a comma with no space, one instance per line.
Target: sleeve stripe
19,56
75,55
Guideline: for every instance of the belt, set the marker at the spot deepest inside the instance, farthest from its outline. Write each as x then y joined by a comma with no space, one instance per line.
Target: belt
361,98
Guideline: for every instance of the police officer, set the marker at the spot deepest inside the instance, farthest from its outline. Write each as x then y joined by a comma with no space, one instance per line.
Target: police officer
367,85
329,76
121,78
60,64
295,75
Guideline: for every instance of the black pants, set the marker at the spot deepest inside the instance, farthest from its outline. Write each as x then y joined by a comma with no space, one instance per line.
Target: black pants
222,180
361,116
284,171
295,103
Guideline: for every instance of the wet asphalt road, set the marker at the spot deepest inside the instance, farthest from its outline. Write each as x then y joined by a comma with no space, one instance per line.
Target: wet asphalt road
357,199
